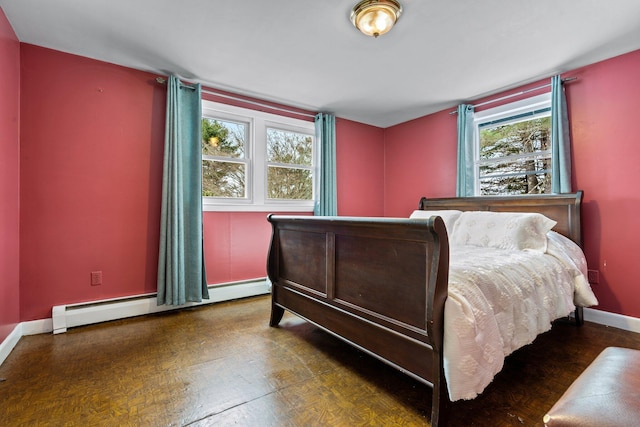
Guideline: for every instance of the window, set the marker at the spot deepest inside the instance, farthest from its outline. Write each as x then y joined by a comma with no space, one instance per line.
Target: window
289,165
256,161
224,164
513,148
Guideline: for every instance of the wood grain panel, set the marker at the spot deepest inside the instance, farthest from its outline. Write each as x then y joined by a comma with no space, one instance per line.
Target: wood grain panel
307,250
392,269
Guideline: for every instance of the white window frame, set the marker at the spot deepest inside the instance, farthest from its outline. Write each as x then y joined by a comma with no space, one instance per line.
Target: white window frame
505,111
256,159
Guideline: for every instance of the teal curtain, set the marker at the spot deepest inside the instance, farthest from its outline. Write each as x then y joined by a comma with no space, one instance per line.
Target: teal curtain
560,139
326,203
466,170
181,271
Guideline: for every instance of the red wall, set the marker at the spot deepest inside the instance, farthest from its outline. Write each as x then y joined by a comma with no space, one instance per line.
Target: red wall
603,105
92,138
236,245
421,160
9,178
360,166
418,162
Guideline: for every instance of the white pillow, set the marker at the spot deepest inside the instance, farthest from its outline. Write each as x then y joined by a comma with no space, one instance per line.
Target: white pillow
448,216
506,230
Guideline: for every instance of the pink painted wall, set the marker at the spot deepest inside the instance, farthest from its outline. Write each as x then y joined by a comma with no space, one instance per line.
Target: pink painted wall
236,245
603,105
420,160
417,162
360,167
9,178
92,146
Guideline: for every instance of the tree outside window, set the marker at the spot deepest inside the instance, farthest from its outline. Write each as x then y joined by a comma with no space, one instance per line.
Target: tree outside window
223,158
513,148
289,165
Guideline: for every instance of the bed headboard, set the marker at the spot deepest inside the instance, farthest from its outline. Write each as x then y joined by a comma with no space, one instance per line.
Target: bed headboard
562,208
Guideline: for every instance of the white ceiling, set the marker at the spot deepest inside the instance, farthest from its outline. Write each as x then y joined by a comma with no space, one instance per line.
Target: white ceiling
307,54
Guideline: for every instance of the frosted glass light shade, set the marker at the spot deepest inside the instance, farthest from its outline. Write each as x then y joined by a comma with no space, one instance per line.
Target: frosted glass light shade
375,17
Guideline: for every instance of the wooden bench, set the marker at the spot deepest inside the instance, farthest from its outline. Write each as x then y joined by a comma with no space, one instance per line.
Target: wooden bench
607,393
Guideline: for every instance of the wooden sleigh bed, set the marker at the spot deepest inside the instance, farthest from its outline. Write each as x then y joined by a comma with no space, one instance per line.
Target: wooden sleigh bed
381,284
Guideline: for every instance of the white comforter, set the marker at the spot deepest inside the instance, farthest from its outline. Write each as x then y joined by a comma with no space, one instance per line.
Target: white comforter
500,300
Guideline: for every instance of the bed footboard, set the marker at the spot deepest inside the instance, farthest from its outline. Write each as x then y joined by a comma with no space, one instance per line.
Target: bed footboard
379,284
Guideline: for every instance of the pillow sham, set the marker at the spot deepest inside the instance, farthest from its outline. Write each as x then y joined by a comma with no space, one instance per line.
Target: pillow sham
449,216
505,230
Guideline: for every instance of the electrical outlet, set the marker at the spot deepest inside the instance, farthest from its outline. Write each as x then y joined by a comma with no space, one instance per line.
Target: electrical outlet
96,278
594,276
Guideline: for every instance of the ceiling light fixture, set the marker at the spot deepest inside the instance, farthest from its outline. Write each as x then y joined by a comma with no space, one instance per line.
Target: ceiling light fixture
375,17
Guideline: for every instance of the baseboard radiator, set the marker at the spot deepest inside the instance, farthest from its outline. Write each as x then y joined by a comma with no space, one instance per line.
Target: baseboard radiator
72,315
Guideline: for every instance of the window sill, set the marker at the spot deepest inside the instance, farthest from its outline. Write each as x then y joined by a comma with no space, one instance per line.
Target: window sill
256,208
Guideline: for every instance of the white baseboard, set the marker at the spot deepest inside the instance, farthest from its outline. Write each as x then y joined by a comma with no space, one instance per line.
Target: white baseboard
619,321
120,308
72,315
10,342
35,327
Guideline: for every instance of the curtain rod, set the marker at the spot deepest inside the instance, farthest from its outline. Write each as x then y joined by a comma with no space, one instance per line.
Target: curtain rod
491,101
162,80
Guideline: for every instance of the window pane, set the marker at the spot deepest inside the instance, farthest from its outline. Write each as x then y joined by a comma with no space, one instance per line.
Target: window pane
223,179
289,147
528,136
515,157
223,138
519,166
525,175
516,184
289,183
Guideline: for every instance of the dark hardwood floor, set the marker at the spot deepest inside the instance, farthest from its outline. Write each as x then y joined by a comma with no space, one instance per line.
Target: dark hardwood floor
223,365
